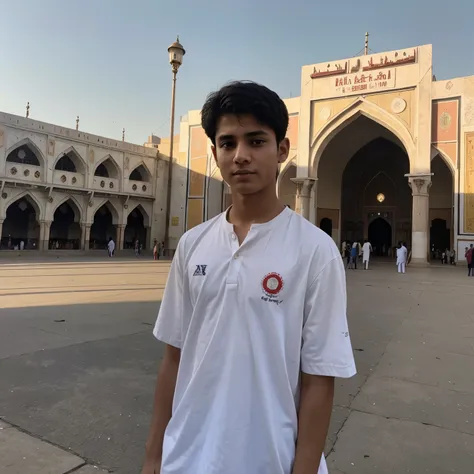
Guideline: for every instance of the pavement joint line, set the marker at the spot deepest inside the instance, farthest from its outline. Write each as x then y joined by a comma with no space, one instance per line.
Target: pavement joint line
411,421
44,440
380,377
75,469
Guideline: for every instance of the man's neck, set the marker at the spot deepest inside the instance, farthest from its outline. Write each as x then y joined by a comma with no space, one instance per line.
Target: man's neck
255,208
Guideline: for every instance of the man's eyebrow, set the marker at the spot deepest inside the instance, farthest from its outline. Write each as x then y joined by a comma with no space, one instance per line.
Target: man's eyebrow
255,133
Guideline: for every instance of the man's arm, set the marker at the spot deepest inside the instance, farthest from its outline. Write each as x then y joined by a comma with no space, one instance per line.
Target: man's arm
164,393
316,399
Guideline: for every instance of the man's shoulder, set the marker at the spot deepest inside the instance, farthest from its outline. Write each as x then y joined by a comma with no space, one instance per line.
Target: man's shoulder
312,242
191,237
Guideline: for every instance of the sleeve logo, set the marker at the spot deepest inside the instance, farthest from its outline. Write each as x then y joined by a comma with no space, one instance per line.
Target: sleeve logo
200,270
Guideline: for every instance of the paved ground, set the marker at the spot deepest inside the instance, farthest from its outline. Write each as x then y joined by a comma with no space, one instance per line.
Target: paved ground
78,366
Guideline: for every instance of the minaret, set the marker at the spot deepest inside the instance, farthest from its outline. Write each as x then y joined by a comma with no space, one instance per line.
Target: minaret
77,122
123,134
27,110
366,47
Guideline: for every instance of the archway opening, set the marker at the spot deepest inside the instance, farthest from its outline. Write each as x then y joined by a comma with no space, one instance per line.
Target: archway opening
441,208
23,155
21,225
287,188
439,238
70,161
107,169
65,230
380,236
139,174
326,225
135,229
361,175
103,228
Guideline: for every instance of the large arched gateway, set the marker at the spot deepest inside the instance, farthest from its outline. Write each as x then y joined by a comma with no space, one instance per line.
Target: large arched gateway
361,182
381,150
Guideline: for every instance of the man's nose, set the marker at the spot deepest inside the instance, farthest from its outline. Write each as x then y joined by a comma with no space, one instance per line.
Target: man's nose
242,153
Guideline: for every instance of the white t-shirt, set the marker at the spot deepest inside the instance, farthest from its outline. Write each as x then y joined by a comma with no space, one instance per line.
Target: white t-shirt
247,319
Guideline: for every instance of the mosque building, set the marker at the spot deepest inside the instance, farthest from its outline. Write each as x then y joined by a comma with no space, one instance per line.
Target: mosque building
380,149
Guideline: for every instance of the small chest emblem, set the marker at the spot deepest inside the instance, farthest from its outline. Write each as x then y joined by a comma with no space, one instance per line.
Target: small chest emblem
272,284
200,270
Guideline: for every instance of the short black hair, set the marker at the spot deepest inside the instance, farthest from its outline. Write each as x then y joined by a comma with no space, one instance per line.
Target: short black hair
245,98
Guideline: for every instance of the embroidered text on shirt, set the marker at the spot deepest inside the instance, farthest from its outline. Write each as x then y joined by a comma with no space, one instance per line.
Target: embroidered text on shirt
200,270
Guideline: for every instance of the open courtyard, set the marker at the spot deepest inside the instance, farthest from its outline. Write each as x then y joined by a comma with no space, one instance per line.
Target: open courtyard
78,365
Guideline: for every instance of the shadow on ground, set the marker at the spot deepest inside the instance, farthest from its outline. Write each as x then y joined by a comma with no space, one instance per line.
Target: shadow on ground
93,397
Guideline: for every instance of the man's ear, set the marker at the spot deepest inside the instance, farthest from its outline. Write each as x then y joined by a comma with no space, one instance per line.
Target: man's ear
283,150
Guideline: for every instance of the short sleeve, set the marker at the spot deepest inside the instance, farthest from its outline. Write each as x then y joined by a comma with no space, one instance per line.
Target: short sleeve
326,346
168,327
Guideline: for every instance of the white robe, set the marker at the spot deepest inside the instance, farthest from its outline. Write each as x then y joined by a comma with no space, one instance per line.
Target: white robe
111,246
366,249
402,254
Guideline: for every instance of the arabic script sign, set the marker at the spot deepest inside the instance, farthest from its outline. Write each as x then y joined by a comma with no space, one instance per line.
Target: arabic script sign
365,82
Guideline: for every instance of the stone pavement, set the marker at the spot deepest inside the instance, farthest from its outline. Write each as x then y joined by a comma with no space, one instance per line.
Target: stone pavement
78,365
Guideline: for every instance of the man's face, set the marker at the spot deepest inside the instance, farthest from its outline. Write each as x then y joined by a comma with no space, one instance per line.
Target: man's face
247,153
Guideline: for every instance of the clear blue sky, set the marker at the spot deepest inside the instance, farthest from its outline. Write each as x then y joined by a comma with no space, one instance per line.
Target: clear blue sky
106,60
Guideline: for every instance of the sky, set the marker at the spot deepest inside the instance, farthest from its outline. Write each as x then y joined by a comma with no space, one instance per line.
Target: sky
107,60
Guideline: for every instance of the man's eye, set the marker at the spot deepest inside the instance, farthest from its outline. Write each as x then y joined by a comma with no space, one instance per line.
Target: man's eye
258,142
226,144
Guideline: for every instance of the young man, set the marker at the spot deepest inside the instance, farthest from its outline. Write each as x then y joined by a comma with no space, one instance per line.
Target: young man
253,316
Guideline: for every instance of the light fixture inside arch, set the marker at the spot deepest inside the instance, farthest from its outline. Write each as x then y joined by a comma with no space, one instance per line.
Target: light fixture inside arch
380,197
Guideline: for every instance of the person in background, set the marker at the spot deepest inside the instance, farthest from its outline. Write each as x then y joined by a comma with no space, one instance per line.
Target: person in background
155,250
469,255
402,254
137,248
453,257
366,250
111,247
354,255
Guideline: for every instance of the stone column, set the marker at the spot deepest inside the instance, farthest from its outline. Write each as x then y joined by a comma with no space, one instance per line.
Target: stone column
147,243
1,228
45,227
85,236
120,236
303,195
420,185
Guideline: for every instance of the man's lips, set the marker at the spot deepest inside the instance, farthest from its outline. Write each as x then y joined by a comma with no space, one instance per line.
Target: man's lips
242,172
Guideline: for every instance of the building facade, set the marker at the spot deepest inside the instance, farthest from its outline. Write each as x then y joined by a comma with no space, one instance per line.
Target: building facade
67,189
379,149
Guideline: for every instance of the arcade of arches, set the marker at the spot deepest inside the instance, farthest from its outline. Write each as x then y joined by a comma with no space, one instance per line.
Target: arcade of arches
362,190
22,228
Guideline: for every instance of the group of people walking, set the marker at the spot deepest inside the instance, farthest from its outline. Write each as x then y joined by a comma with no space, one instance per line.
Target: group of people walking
354,251
351,252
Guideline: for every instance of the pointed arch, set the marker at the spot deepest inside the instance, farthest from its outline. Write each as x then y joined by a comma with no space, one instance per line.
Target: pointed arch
31,199
111,207
75,157
109,163
141,172
448,162
75,206
26,142
146,217
376,175
360,107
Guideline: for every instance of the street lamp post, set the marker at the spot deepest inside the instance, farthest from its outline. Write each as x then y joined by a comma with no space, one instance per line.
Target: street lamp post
176,53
